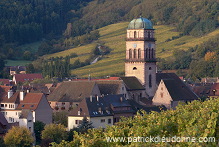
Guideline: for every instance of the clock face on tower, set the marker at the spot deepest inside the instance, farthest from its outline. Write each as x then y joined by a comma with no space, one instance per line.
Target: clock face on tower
134,45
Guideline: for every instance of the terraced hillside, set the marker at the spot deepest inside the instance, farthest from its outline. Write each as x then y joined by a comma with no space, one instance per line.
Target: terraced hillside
114,35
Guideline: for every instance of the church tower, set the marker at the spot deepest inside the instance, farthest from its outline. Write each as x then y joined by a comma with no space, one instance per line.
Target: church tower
140,53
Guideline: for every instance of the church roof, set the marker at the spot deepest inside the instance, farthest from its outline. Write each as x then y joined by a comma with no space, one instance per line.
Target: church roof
176,87
140,23
179,91
132,83
109,86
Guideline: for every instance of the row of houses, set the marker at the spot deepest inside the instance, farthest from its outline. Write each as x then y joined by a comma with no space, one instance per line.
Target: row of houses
21,108
102,101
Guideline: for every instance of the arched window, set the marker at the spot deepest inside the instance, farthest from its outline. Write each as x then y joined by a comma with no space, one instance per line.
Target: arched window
135,34
149,54
139,53
146,53
134,53
130,53
152,53
149,34
150,82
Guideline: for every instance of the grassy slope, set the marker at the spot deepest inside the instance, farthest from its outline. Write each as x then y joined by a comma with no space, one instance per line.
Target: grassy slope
114,37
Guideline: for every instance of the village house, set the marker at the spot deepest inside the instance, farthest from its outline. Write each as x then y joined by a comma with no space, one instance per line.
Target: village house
95,109
171,90
24,108
112,87
20,78
16,70
106,110
69,94
119,106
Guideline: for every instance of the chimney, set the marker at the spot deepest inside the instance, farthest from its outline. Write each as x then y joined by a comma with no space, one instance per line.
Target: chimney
91,98
97,98
10,93
21,95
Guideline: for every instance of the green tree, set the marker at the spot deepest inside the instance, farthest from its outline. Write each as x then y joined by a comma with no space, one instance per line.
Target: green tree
19,137
54,132
30,68
85,125
96,51
27,55
38,128
60,118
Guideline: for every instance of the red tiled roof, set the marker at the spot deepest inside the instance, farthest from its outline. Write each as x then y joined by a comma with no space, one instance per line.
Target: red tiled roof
31,101
4,93
5,81
27,77
110,78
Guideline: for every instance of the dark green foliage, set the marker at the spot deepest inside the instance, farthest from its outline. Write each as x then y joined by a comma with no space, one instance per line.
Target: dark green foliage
60,118
27,21
57,67
2,142
30,68
84,126
96,51
76,64
54,132
38,128
197,119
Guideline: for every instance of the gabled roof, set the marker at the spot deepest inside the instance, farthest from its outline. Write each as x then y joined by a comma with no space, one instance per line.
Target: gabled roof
178,90
92,107
109,86
176,87
31,101
27,77
4,95
132,83
172,76
72,91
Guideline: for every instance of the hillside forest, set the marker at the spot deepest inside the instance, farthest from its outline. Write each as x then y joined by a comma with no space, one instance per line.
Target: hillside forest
62,24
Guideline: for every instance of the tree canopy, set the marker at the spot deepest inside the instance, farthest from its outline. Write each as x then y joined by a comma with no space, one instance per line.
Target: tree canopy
54,132
19,137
